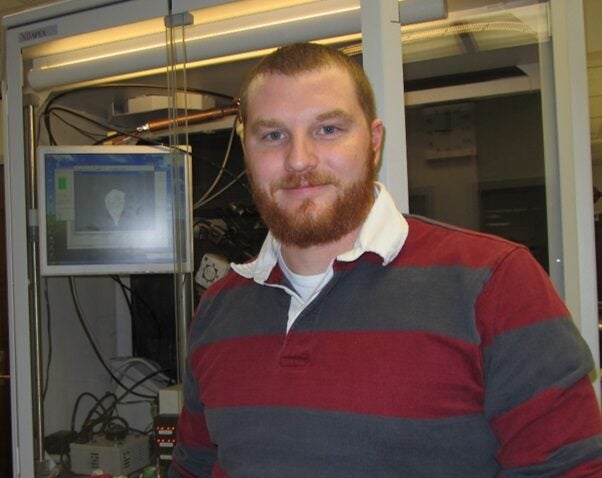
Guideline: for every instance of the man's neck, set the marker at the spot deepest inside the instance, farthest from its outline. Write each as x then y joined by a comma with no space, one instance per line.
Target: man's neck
316,259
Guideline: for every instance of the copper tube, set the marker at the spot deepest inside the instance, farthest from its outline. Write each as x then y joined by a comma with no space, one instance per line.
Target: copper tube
201,117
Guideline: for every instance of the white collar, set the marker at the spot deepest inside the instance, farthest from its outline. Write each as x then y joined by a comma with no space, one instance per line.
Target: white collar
384,232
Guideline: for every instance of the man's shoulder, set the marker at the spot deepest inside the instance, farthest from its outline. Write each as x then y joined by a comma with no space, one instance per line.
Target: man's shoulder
230,281
433,242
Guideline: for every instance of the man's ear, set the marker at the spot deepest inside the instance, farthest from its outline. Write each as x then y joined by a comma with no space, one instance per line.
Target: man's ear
240,131
377,135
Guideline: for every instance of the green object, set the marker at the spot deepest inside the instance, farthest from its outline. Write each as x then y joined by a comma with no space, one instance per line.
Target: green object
149,472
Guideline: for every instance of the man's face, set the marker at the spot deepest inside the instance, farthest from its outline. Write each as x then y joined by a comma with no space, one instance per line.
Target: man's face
310,155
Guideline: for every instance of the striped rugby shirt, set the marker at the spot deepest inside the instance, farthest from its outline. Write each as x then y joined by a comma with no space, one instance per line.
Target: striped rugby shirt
446,353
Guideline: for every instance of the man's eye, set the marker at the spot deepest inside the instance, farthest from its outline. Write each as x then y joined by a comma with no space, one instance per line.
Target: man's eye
274,136
328,129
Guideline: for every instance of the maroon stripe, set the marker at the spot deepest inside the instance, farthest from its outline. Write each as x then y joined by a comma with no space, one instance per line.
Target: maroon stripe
429,245
231,281
389,373
590,469
569,410
519,294
192,430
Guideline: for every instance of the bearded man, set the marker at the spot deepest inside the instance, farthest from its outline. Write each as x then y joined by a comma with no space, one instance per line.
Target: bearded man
361,342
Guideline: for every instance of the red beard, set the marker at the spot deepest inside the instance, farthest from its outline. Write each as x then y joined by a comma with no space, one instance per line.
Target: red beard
304,227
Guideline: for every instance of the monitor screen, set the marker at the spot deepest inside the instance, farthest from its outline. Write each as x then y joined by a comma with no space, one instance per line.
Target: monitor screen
113,210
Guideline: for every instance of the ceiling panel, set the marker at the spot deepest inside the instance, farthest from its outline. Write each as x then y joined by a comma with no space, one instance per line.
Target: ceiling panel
12,6
593,14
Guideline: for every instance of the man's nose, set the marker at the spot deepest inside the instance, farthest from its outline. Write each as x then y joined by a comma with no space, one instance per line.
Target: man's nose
301,155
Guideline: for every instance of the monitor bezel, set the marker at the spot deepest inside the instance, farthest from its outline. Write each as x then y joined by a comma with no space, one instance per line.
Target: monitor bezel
124,268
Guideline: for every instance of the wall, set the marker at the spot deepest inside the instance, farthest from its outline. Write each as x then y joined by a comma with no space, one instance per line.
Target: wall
508,152
74,366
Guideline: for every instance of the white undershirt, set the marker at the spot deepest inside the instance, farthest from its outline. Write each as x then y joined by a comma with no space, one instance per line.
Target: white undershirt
307,287
384,232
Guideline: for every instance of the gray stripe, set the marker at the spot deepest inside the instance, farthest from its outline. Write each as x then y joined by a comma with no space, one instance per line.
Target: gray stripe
288,442
198,462
562,460
246,311
191,391
437,299
552,354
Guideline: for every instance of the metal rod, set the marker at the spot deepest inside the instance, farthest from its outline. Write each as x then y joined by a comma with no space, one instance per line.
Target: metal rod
34,286
183,312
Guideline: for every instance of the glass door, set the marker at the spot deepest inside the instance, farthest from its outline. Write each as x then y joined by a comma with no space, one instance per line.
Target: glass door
593,37
474,122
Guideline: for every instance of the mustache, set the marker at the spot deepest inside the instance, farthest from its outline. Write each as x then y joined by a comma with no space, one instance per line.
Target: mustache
304,180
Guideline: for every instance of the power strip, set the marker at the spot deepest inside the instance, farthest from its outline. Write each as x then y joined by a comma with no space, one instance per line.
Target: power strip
115,457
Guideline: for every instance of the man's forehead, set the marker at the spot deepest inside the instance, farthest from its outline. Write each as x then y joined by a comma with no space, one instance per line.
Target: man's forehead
326,115
269,77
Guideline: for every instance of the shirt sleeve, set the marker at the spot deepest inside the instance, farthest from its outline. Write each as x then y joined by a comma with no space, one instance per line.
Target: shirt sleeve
194,454
539,398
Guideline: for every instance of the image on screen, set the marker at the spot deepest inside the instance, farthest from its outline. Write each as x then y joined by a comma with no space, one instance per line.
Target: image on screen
113,209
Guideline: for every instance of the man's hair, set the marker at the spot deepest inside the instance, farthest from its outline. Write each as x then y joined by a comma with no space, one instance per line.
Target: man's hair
298,58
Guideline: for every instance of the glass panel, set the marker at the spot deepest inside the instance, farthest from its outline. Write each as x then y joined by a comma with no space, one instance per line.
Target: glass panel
125,312
474,122
593,38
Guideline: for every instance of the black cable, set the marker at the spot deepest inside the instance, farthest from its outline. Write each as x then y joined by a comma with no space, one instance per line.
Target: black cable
62,94
138,383
84,117
49,333
128,301
76,406
107,414
89,424
221,191
102,414
78,435
48,105
51,138
235,178
112,419
120,398
99,404
131,85
218,176
65,460
119,135
88,134
91,341
139,137
52,111
226,171
125,288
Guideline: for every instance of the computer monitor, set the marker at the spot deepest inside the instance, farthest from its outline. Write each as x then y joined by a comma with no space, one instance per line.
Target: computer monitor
114,210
